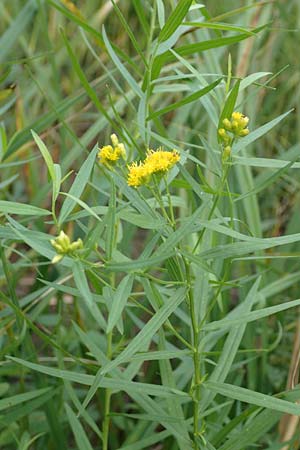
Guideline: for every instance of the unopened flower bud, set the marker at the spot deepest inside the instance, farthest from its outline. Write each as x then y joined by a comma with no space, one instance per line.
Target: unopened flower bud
227,124
244,132
64,246
114,139
226,153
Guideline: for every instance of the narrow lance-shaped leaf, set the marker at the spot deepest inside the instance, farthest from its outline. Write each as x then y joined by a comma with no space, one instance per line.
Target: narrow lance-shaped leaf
251,316
174,20
119,301
122,69
231,345
189,99
20,398
23,209
83,287
132,387
259,132
139,340
189,49
229,104
79,184
81,438
253,398
45,153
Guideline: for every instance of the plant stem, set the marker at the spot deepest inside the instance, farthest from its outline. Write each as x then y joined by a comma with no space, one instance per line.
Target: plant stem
169,201
106,421
196,358
214,205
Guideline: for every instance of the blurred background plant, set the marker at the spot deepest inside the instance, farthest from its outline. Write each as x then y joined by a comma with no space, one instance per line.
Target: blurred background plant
76,72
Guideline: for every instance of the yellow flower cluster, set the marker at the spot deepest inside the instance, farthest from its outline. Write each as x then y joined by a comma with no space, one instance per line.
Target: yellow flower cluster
109,155
64,246
237,127
156,162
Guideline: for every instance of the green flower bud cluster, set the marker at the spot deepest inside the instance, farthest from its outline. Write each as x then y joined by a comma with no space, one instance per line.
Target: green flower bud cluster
232,129
64,246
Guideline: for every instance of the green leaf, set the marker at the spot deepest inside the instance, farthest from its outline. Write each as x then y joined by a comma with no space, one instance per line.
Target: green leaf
78,431
141,339
119,301
45,153
253,398
110,220
131,387
265,183
24,410
187,50
244,248
231,344
257,427
56,182
259,132
174,20
20,398
141,221
186,100
263,162
219,26
122,69
229,104
83,287
22,209
78,185
252,316
84,81
82,412
78,20
147,442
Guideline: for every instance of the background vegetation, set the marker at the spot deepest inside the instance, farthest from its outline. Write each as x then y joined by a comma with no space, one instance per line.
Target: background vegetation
75,73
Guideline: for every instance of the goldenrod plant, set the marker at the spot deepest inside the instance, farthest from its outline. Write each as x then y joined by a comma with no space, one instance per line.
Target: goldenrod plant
149,272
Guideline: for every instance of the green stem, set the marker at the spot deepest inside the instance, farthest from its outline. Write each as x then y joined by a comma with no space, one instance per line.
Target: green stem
107,399
195,389
160,202
214,205
169,201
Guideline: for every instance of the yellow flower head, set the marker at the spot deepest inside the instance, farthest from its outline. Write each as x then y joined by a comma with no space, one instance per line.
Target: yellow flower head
109,155
237,125
160,160
138,174
64,246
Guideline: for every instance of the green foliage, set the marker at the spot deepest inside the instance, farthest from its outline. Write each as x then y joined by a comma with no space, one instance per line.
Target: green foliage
174,323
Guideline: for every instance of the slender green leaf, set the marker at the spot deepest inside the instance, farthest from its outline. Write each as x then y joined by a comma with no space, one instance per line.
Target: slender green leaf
81,438
21,209
189,99
254,398
189,49
45,153
229,104
141,339
259,132
20,398
83,287
174,20
122,69
252,316
78,185
119,301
